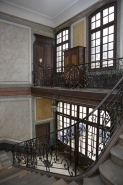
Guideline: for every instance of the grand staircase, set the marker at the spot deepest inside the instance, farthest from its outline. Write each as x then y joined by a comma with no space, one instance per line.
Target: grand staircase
111,171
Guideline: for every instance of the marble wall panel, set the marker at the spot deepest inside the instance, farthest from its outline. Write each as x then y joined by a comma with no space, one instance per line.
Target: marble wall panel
15,47
15,119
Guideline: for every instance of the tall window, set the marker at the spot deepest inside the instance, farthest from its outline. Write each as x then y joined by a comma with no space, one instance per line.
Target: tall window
102,38
68,115
62,44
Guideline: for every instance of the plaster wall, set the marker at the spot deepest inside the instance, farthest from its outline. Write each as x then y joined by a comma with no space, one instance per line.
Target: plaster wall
15,119
15,46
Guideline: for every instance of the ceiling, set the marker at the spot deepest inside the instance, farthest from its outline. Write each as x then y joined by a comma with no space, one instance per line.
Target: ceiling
54,11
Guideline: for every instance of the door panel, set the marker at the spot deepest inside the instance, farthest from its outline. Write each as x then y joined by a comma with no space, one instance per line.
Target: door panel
42,129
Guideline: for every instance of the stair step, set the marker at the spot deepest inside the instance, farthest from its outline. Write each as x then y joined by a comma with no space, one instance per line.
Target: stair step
26,177
19,175
93,181
10,156
111,173
59,182
117,155
39,180
49,181
73,183
2,152
12,181
121,140
30,179
9,171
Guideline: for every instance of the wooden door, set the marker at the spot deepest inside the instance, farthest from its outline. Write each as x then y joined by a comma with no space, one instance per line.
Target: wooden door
42,129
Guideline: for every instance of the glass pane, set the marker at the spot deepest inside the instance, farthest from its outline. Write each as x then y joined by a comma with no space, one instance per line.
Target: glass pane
105,12
93,36
63,38
110,46
105,39
66,31
104,55
93,25
110,63
92,50
97,23
111,17
105,31
110,54
92,65
66,45
111,9
92,43
97,49
60,40
97,64
97,42
63,46
63,33
97,34
105,20
111,37
97,56
92,57
105,47
66,37
111,29
105,64
93,19
98,16
59,34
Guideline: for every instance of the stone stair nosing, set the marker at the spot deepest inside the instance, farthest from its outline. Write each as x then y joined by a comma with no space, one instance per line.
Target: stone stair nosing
73,183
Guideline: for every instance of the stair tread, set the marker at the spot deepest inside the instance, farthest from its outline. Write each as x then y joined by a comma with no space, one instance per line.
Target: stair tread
117,151
30,174
30,179
60,182
49,181
93,181
74,183
121,140
8,172
111,172
39,180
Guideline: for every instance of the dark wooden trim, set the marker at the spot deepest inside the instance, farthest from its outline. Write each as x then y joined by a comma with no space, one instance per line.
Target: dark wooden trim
12,91
85,98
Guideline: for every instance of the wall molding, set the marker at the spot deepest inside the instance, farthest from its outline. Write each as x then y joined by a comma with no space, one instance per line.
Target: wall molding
12,91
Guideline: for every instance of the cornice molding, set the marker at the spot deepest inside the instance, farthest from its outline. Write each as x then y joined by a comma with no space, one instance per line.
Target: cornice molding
82,13
25,21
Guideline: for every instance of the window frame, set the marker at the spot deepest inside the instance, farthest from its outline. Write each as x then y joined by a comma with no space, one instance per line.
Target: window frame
61,44
100,28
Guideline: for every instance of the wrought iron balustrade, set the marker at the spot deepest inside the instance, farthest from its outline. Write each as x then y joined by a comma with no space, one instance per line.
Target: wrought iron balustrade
76,148
81,76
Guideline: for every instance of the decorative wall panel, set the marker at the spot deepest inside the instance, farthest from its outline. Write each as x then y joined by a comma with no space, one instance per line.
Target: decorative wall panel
15,47
15,119
43,108
78,34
